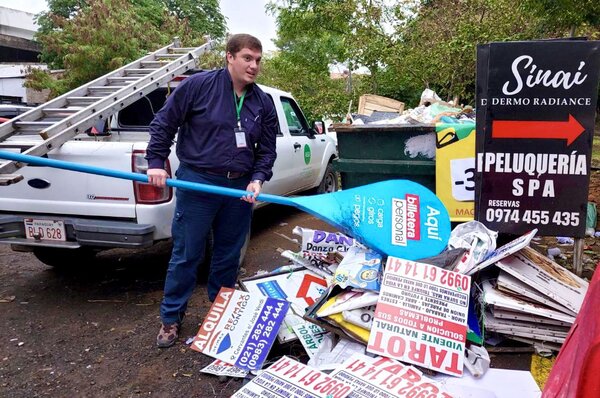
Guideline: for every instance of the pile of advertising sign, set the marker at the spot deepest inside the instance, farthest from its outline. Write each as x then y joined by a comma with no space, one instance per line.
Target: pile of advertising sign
533,299
389,327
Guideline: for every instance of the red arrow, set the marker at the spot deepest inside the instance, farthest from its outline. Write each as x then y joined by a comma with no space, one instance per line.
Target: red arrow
568,130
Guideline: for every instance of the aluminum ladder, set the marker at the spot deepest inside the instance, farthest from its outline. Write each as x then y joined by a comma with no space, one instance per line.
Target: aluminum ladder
64,117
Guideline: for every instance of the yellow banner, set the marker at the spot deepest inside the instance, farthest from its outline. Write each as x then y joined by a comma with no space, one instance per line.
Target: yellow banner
455,169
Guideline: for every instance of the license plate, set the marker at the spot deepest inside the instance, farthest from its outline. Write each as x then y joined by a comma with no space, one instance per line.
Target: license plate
45,229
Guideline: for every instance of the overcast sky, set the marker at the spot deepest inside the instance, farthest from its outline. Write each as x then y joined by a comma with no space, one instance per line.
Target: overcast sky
247,16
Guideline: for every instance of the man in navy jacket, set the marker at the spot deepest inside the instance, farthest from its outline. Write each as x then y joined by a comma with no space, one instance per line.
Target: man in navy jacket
226,133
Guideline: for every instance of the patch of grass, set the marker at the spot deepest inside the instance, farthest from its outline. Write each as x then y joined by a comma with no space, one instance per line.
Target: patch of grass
596,151
596,146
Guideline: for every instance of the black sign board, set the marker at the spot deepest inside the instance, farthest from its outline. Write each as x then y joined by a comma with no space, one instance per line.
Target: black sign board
536,103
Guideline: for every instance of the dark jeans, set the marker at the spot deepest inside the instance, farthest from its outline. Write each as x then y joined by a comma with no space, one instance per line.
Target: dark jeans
195,213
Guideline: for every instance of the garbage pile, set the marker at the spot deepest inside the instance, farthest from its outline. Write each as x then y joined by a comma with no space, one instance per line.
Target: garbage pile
375,326
431,110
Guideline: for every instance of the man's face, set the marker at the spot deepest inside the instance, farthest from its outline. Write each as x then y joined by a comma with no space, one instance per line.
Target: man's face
244,65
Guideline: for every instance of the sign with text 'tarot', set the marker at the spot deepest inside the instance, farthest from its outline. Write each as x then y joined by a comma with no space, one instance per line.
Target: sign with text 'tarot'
536,103
421,316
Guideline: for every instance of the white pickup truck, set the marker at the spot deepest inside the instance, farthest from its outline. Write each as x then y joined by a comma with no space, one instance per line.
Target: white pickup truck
66,217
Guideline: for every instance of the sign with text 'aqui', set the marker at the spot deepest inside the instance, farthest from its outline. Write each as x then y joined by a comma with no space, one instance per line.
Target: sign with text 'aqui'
536,103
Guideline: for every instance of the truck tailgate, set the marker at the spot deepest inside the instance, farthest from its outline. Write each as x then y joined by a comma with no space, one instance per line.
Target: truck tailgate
55,191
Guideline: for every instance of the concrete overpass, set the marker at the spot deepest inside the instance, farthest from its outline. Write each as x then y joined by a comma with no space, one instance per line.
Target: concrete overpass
16,36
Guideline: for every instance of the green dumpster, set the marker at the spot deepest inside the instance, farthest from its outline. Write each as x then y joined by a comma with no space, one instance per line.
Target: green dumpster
373,153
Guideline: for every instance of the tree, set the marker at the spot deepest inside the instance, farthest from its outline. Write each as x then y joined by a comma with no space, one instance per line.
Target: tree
90,38
314,34
439,43
412,44
203,16
568,15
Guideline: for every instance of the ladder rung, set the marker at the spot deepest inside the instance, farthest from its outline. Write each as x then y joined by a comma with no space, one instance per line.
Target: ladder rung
25,125
172,56
182,49
60,110
28,133
154,64
139,71
121,79
105,88
83,100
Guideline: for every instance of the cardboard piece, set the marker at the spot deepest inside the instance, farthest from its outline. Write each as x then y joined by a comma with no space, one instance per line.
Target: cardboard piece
536,331
328,324
496,298
520,316
509,284
547,277
367,103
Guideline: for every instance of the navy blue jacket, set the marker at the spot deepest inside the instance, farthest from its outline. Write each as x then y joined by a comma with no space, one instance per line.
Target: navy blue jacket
202,107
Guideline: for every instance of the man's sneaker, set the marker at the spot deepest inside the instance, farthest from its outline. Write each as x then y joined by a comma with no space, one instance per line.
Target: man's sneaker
167,335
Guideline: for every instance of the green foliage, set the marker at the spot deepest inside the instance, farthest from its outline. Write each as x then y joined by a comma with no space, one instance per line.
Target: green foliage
567,15
91,38
203,16
406,46
312,35
318,94
439,44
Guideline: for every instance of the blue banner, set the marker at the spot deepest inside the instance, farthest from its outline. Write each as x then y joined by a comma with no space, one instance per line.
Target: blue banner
263,334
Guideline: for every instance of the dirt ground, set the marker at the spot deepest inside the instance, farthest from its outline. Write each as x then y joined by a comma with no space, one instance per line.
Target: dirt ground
90,332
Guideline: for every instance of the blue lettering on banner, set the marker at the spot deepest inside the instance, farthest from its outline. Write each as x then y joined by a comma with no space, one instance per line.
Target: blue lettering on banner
272,289
263,334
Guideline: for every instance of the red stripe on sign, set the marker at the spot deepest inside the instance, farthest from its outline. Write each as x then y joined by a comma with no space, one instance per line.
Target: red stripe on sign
422,322
211,321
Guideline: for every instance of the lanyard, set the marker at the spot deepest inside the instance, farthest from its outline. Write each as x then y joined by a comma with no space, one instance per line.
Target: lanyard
238,106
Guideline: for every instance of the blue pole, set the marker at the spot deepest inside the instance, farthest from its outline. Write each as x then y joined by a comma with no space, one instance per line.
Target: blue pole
60,164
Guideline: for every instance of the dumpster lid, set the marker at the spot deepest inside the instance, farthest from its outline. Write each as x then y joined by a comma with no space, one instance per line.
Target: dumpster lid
368,128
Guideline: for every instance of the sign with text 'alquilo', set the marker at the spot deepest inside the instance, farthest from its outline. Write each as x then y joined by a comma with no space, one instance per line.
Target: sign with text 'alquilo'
536,103
240,328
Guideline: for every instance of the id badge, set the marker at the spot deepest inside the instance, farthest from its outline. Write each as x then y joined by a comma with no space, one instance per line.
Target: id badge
240,137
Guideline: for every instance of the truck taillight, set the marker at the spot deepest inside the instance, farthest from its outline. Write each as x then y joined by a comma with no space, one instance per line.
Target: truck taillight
146,193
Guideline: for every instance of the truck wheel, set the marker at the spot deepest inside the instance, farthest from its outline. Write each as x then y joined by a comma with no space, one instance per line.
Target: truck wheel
329,182
65,258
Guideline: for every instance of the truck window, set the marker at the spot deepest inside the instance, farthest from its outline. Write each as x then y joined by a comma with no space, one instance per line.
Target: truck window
294,117
141,112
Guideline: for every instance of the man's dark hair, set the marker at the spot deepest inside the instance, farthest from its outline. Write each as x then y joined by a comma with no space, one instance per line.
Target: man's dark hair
240,41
